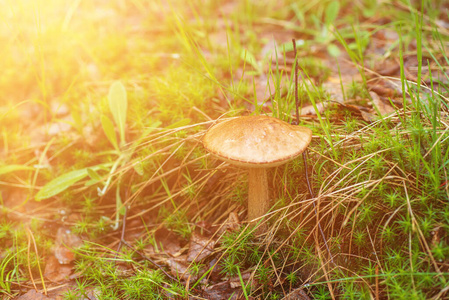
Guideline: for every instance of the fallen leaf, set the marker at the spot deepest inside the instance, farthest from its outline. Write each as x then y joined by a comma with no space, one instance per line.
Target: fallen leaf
167,242
203,226
200,247
389,70
235,282
320,107
357,111
215,274
333,87
297,294
383,107
66,240
33,295
368,117
387,67
383,90
56,272
180,269
232,223
221,291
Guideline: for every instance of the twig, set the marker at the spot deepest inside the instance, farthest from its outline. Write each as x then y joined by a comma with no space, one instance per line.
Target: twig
304,154
122,237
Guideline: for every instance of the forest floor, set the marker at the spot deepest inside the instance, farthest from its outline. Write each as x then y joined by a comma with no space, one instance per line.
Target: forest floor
106,191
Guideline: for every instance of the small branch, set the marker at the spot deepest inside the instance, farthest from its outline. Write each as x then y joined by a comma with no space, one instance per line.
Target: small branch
122,237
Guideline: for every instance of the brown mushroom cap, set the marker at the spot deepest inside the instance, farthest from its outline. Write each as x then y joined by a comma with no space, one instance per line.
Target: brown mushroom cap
256,141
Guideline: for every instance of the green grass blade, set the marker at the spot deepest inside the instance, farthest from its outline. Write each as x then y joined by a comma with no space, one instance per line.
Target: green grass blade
118,104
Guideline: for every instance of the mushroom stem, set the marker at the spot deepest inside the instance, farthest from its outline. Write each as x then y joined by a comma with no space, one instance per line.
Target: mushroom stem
258,200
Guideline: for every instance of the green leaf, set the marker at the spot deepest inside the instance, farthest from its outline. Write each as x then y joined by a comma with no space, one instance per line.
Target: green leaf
332,12
333,50
118,104
12,168
90,182
250,59
108,128
93,174
60,184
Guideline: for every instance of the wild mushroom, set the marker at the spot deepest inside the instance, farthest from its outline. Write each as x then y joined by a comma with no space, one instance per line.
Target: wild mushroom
256,143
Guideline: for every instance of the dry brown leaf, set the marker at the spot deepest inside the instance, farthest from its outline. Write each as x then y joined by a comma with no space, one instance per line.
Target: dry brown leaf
66,240
310,110
368,117
180,269
383,90
235,282
33,295
221,291
168,242
232,223
383,107
333,87
297,294
55,272
199,247
389,67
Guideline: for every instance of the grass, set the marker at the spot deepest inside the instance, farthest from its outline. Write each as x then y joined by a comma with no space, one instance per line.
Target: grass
102,112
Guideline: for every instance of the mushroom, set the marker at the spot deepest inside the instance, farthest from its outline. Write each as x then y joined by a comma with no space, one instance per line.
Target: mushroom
256,143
